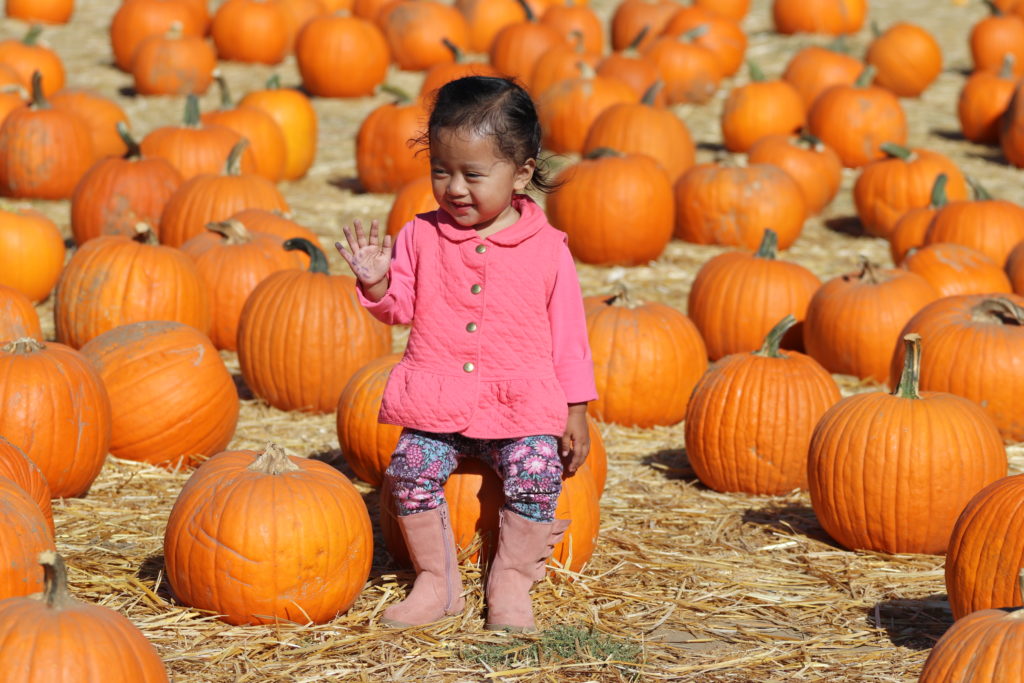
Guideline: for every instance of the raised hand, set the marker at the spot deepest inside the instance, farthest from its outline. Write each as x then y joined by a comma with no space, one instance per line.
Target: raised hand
368,256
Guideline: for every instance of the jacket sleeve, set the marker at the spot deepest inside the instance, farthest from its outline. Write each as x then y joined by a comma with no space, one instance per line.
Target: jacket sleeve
574,367
396,307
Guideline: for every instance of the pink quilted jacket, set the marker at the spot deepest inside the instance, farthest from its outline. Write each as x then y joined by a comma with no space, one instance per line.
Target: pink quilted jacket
498,345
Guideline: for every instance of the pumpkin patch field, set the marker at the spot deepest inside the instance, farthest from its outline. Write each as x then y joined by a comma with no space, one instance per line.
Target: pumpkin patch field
799,232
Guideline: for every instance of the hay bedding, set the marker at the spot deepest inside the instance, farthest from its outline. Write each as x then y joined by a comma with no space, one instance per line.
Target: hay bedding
686,583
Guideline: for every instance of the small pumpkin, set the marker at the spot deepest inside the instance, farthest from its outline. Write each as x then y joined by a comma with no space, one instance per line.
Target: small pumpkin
559,63
20,469
385,156
759,108
690,71
101,114
29,55
569,108
31,252
1015,268
991,226
23,535
996,36
954,269
135,21
831,17
45,11
891,472
173,63
517,47
635,70
18,317
984,99
367,444
445,72
329,44
414,28
721,35
631,17
310,563
911,228
297,118
252,31
485,18
265,137
414,197
814,166
907,57
577,21
778,397
814,69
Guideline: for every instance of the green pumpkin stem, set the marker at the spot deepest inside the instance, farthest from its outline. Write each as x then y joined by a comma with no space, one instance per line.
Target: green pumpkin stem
998,310
895,151
993,8
23,345
144,233
1006,69
620,296
457,54
192,119
866,76
133,150
274,82
273,460
876,30
839,45
755,71
812,141
938,198
530,16
402,95
232,230
39,100
317,260
634,45
769,247
869,271
32,35
55,580
233,166
910,378
602,153
651,94
980,193
770,347
694,33
226,102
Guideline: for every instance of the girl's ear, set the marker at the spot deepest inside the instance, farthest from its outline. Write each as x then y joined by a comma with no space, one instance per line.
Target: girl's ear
523,175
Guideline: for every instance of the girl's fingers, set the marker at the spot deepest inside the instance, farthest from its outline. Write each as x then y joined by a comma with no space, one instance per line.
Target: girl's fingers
360,236
387,242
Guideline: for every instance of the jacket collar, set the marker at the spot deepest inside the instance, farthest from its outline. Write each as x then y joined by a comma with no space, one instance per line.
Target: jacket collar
531,220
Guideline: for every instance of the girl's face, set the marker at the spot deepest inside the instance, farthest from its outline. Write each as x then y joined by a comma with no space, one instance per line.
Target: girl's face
472,182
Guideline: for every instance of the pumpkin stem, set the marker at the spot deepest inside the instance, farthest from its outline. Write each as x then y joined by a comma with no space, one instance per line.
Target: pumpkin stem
273,460
55,580
770,347
980,193
652,92
32,35
868,271
225,93
274,82
812,141
232,230
998,310
993,8
634,45
1006,70
457,54
876,30
23,345
938,198
530,16
602,153
578,37
620,296
133,150
317,260
694,33
897,151
866,76
839,45
39,100
191,112
233,166
769,248
144,233
911,376
755,71
403,96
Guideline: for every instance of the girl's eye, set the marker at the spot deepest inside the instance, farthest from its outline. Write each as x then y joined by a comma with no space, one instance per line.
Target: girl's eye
474,175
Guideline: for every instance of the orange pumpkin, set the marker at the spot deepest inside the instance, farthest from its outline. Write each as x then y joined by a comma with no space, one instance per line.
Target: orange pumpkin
18,317
329,44
981,646
911,228
976,577
266,139
615,208
173,63
53,405
302,335
891,472
759,108
636,71
855,120
445,72
691,72
135,21
568,109
309,563
984,99
1011,130
17,467
991,373
887,188
907,57
832,17
27,56
854,320
414,29
31,252
275,223
1015,268
738,296
778,397
367,444
386,156
253,31
717,33
101,114
732,205
992,226
814,166
414,197
953,269
647,359
517,47
485,18
45,11
115,280
23,535
814,69
577,21
994,38
559,63
292,111
633,17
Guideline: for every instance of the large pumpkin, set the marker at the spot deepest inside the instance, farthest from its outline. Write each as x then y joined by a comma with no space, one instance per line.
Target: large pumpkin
778,397
23,535
44,636
891,472
738,296
54,406
302,335
298,532
172,399
647,359
17,467
367,444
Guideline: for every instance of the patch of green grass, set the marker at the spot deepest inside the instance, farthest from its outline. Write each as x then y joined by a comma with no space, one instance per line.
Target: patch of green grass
558,645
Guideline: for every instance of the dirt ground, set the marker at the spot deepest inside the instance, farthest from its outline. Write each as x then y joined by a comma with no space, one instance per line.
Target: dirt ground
686,583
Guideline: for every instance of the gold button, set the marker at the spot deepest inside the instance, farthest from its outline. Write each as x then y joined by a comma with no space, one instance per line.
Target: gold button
476,289
469,367
480,248
471,327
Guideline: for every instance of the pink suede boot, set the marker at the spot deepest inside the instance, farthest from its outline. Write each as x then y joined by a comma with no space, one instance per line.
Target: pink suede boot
437,591
524,547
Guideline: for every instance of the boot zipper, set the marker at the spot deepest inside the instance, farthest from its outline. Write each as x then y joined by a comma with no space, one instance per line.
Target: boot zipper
445,533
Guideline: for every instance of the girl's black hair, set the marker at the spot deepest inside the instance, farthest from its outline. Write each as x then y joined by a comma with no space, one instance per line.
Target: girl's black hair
498,107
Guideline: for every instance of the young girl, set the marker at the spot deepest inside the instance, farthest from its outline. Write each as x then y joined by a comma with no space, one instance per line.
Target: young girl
497,364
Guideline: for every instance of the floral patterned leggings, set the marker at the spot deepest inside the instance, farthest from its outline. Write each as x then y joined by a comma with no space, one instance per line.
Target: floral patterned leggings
530,468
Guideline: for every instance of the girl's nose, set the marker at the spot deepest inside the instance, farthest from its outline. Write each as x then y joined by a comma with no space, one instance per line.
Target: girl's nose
456,185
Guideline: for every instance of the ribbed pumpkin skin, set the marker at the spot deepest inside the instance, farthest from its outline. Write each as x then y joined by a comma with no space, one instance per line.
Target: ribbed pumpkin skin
366,444
616,210
266,139
750,418
1015,268
414,197
194,149
117,194
298,120
475,496
643,129
853,323
31,252
23,535
18,317
737,297
134,21
114,280
978,359
814,69
54,406
100,114
855,121
993,227
170,393
647,360
953,270
986,549
259,548
17,467
384,159
812,164
329,43
983,646
909,232
302,336
569,108
891,474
